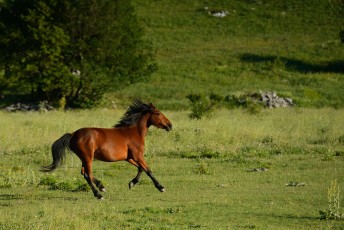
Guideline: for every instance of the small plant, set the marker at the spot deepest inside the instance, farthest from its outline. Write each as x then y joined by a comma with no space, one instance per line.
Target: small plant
341,139
202,169
200,153
63,186
54,184
253,107
339,153
82,187
49,181
200,106
249,101
295,184
267,140
333,211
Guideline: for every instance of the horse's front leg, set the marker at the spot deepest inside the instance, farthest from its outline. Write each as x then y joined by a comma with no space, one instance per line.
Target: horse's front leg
138,176
142,164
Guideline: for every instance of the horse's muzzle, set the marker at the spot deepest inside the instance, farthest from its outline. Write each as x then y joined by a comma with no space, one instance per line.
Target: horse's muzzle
168,127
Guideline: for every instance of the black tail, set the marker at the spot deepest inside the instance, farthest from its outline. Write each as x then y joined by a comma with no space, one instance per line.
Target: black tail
59,152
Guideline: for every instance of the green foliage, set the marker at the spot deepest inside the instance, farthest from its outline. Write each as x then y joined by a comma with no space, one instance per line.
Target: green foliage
54,184
245,101
341,36
48,181
45,41
204,105
200,153
200,106
341,139
202,169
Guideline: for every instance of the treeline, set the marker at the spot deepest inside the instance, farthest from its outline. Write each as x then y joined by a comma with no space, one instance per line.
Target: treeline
70,52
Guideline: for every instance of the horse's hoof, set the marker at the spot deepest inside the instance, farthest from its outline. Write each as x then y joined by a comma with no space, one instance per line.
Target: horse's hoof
162,190
131,185
100,197
102,190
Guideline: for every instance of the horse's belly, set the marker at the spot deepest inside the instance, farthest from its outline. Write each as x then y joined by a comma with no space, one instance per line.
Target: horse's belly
110,156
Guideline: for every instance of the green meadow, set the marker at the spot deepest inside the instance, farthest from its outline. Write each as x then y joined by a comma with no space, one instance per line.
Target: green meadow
271,169
233,170
292,48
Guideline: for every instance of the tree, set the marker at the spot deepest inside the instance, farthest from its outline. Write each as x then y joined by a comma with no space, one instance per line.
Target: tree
73,50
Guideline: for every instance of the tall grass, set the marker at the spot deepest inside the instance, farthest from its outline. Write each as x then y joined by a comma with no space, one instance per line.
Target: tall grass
307,127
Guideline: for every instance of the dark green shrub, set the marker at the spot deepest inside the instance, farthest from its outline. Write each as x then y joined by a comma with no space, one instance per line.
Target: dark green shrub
82,187
71,50
49,181
64,186
341,36
200,106
202,169
247,101
341,139
201,153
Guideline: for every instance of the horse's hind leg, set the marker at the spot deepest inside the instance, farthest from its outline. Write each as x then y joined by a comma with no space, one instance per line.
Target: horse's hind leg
87,169
97,182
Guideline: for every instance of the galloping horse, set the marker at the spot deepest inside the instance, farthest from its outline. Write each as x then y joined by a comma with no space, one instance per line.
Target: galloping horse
125,141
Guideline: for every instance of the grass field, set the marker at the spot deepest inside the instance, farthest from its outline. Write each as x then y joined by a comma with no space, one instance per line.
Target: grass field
209,167
205,165
291,47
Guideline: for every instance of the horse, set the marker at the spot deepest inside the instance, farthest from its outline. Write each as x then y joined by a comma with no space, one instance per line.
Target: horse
125,141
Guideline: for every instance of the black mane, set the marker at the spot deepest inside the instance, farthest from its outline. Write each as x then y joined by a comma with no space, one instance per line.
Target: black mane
133,113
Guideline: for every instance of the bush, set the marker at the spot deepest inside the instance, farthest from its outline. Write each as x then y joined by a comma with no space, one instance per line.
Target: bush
71,50
341,36
48,181
54,184
200,106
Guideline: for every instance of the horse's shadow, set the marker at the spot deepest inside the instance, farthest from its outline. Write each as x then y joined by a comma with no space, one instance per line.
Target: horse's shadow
334,66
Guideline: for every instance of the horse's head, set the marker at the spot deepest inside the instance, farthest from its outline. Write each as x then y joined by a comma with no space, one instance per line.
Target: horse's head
158,119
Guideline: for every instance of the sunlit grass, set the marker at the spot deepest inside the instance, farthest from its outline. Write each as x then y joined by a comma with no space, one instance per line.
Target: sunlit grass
205,165
197,53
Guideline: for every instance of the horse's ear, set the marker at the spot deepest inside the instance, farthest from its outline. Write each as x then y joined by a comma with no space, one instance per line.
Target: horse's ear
152,106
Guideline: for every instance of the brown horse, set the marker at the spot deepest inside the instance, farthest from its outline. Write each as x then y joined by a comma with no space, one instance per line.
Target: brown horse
125,141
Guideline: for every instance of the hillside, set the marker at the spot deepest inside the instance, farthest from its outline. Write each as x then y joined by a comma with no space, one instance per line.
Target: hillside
292,48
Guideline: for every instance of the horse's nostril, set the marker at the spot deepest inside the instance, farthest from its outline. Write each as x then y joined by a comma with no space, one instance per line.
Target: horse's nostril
168,127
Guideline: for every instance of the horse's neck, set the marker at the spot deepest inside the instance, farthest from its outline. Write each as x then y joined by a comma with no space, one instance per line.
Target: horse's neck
142,125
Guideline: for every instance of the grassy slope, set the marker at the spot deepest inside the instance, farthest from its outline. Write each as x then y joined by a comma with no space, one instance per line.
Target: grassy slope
203,165
290,47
